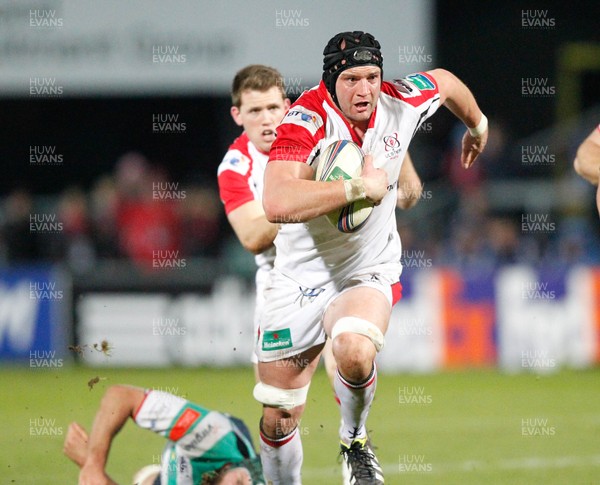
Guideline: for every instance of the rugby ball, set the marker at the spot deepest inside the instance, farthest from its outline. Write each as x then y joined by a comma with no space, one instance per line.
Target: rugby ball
343,160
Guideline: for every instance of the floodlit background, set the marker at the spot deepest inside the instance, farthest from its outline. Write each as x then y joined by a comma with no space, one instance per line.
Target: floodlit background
115,116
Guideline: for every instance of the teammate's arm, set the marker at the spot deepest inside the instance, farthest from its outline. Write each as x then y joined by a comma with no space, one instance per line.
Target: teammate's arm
291,194
255,232
409,185
117,405
458,98
587,160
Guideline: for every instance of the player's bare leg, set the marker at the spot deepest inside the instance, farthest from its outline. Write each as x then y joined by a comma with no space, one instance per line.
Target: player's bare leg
329,362
331,369
280,444
361,316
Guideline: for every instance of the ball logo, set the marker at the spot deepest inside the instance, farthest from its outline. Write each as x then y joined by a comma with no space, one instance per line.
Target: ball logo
343,159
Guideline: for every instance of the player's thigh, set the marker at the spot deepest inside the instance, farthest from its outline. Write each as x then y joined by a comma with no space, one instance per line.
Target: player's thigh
363,302
291,372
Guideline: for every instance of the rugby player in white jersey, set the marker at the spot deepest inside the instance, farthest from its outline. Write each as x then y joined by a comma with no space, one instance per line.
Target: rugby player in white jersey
329,284
259,103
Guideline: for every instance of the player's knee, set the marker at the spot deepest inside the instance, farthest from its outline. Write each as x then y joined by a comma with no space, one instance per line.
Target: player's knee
276,397
353,352
279,423
347,327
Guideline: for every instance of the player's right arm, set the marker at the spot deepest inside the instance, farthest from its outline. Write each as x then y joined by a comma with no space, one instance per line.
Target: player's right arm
587,160
242,204
292,195
255,232
117,405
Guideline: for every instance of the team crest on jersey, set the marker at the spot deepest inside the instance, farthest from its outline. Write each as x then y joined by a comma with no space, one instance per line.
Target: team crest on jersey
392,145
299,115
421,81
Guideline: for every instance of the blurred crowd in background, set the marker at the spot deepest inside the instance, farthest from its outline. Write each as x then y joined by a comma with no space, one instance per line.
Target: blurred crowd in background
138,210
131,213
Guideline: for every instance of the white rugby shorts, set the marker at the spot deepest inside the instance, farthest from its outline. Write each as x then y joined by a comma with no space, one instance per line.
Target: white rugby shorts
291,321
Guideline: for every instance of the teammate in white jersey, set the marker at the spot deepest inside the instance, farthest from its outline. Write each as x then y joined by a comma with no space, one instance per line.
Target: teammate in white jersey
332,284
204,447
259,103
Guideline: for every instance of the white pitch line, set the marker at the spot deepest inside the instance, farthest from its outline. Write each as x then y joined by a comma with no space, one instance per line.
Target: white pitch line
530,463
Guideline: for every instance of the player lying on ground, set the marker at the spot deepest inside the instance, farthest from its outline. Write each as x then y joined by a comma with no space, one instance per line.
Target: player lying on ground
204,447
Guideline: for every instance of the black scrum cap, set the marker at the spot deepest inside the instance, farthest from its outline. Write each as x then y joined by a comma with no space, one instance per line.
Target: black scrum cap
359,49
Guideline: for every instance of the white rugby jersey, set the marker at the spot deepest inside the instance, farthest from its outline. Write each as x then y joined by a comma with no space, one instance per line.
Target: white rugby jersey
240,176
315,252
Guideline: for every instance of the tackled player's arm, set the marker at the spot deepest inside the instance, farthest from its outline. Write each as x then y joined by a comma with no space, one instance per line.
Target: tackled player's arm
117,405
409,185
292,195
255,232
459,99
76,443
587,160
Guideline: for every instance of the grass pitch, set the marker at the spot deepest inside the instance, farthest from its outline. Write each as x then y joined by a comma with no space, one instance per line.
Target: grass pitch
463,428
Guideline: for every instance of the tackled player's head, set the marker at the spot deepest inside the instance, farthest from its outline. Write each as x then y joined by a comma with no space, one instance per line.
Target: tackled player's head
247,472
258,103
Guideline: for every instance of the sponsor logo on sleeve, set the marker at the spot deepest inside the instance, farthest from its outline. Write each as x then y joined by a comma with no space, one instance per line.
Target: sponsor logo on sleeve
238,163
421,82
299,115
183,423
406,88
